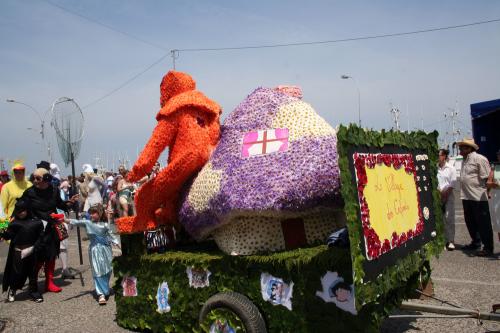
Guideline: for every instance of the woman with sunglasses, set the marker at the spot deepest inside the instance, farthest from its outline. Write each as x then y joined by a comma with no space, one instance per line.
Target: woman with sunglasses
44,199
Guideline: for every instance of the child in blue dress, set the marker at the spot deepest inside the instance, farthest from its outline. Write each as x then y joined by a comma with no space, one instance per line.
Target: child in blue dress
101,238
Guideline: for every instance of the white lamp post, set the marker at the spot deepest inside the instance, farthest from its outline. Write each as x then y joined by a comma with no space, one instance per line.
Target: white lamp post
42,122
345,77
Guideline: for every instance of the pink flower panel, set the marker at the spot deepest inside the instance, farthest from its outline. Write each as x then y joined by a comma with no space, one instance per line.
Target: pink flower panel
265,142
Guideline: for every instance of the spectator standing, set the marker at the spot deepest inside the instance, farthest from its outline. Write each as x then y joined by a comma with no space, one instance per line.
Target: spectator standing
473,177
14,189
4,178
494,194
447,179
64,187
125,191
155,171
56,174
24,233
94,186
109,184
83,191
43,200
67,272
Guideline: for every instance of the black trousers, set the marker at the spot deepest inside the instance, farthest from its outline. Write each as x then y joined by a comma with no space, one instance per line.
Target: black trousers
478,222
22,269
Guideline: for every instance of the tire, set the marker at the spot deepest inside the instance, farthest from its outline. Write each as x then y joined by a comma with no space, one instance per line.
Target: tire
240,305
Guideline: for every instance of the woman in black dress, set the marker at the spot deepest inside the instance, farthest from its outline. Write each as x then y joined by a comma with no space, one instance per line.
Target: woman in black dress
24,233
44,199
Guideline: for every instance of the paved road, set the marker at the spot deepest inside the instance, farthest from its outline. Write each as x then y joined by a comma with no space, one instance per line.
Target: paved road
73,310
459,278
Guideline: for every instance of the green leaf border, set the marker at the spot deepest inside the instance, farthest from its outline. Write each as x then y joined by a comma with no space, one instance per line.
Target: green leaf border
401,273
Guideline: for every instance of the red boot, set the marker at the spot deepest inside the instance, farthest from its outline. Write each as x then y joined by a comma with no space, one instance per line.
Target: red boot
49,277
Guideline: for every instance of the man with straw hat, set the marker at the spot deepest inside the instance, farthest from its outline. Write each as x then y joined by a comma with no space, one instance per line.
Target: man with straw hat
473,176
14,189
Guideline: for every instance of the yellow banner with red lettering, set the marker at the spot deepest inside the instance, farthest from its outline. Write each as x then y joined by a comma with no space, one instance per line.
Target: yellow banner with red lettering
391,195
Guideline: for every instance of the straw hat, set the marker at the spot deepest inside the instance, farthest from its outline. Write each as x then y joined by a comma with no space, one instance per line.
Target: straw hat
468,142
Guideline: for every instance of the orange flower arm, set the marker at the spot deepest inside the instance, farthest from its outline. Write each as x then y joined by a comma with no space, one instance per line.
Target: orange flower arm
163,135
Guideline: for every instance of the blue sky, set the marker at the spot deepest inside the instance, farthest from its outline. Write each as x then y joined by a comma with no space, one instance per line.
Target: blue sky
48,53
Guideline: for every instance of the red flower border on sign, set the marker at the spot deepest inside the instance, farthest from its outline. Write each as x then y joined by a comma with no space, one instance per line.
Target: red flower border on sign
374,246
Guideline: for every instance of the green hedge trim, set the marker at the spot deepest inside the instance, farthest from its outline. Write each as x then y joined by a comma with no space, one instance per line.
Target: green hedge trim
304,267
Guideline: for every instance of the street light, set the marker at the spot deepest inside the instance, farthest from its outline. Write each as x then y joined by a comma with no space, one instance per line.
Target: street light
42,122
345,77
34,130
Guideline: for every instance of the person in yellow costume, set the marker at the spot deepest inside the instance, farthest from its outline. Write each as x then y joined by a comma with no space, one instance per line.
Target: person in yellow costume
14,189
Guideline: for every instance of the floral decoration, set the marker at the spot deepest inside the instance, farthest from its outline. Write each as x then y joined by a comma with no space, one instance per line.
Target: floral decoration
188,124
303,177
375,247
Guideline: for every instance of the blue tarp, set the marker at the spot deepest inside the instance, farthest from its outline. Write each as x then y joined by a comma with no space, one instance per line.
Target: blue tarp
486,127
483,108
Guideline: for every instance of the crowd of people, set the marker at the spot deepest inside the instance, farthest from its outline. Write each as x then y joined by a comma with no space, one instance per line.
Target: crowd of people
38,208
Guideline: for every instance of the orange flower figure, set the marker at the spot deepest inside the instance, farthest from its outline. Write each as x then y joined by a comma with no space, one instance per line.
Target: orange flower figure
188,124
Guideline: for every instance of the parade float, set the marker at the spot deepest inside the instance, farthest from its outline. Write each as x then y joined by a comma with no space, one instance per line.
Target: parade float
258,207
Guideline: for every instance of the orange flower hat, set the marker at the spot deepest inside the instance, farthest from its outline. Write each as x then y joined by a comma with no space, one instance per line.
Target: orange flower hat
178,90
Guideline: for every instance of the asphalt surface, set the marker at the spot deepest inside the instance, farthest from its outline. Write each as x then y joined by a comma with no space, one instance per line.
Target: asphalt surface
459,278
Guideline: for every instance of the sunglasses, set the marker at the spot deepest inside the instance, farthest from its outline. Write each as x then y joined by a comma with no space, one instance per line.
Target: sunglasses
38,178
18,171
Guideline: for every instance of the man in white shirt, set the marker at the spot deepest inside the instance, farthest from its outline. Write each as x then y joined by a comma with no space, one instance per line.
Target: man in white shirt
447,178
473,192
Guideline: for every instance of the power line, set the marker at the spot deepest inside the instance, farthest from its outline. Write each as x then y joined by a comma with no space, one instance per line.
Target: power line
126,82
106,25
338,40
175,52
269,45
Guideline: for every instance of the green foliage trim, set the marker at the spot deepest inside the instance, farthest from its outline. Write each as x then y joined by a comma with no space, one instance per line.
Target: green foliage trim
224,316
241,274
415,263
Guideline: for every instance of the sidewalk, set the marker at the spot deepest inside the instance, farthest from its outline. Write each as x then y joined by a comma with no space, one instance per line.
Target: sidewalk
463,280
73,310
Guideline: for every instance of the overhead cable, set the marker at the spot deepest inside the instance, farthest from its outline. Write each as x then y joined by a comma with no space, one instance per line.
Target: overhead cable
337,40
106,26
126,82
174,53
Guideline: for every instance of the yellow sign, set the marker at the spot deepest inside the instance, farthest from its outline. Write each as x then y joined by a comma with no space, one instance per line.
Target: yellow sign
392,199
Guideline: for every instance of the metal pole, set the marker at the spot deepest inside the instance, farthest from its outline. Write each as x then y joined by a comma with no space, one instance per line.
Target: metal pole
445,310
359,101
76,211
359,95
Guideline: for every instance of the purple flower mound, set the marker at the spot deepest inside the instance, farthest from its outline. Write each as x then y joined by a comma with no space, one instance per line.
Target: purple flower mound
304,176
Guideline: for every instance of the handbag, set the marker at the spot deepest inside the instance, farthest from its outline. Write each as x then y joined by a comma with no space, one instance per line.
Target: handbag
61,231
